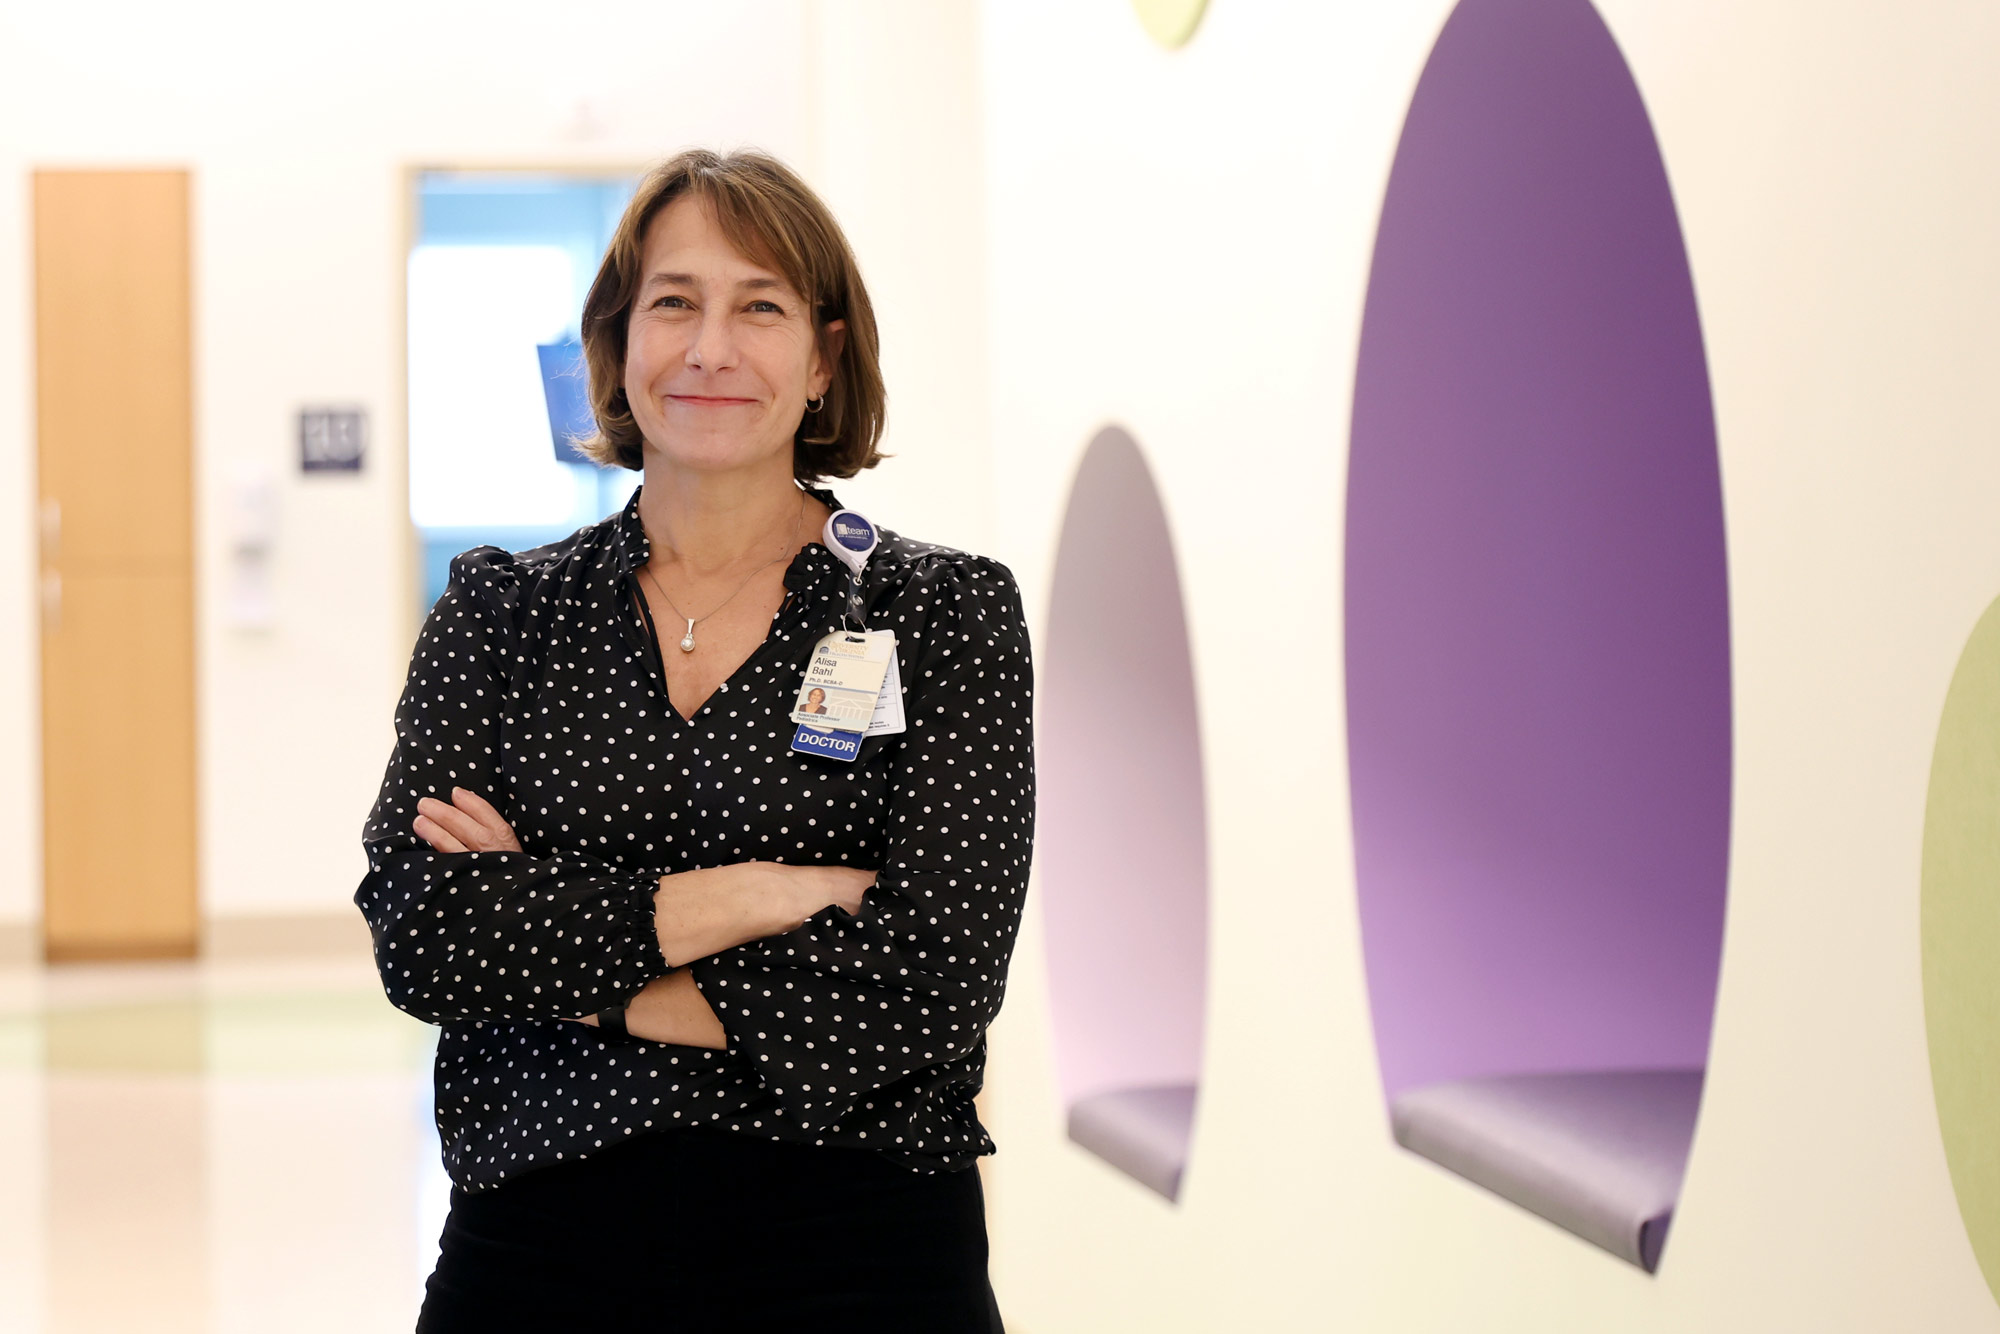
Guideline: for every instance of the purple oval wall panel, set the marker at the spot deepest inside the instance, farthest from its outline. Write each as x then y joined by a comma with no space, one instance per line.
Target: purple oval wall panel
1122,846
1537,625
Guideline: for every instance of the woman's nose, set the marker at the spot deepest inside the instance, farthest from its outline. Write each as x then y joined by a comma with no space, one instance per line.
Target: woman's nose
713,348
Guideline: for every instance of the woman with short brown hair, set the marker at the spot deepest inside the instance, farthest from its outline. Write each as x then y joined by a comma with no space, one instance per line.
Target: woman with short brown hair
713,923
761,209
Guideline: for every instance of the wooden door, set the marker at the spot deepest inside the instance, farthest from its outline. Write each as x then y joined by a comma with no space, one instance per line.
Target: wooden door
113,401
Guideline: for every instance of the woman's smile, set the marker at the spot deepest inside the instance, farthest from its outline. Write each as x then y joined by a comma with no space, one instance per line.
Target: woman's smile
708,401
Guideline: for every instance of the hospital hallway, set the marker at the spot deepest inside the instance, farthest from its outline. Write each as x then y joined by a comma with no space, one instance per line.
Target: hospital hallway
239,1145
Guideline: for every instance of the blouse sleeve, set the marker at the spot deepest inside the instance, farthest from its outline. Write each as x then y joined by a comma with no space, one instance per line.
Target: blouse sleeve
846,1005
487,935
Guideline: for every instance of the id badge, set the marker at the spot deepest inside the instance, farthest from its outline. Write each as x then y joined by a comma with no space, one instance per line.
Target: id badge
844,679
841,698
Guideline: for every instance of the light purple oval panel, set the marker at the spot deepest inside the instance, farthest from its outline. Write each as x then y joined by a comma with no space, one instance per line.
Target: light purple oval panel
1537,623
1122,843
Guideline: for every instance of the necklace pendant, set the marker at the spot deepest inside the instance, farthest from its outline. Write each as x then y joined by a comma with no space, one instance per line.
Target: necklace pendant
687,640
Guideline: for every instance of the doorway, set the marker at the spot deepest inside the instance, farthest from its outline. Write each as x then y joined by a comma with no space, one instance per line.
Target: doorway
499,268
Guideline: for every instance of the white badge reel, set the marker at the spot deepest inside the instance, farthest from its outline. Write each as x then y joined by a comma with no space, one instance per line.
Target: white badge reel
853,539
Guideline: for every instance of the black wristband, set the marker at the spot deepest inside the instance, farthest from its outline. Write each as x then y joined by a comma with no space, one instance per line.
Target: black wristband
612,1019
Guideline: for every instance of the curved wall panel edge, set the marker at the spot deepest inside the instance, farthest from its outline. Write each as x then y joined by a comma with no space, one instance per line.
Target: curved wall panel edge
1961,936
1123,843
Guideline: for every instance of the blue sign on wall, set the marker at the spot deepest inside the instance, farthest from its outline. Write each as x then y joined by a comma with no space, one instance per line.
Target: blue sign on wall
566,387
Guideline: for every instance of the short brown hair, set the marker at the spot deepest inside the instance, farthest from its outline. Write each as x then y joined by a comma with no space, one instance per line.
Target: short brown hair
773,218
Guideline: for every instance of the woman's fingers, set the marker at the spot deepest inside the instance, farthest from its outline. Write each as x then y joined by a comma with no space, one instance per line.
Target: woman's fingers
454,822
431,832
469,824
479,808
845,886
491,820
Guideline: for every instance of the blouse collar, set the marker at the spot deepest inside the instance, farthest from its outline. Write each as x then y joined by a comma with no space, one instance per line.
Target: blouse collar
634,548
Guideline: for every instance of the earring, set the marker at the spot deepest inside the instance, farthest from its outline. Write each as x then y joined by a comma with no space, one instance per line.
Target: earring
814,405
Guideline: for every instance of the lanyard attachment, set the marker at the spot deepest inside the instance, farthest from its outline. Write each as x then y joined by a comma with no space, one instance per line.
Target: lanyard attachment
853,539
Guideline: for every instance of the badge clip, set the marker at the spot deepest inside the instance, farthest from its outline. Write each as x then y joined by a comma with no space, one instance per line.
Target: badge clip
852,539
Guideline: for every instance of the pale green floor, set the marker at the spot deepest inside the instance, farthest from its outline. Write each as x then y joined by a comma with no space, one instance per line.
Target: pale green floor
214,1147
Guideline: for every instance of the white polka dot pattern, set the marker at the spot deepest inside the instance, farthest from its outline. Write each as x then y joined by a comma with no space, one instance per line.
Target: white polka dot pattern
535,682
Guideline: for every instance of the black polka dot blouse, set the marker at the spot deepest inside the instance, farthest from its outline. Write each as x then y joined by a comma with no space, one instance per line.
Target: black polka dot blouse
537,683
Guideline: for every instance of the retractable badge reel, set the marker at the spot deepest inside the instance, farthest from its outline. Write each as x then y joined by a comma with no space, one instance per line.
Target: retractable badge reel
852,538
852,688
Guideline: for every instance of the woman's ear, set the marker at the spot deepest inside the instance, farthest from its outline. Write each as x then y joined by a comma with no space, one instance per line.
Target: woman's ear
833,337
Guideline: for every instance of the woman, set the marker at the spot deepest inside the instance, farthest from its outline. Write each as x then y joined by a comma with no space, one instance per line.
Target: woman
713,1006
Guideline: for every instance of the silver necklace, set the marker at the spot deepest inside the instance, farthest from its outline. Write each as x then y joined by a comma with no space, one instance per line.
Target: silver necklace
687,640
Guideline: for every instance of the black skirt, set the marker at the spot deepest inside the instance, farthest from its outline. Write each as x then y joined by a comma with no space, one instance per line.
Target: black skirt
701,1230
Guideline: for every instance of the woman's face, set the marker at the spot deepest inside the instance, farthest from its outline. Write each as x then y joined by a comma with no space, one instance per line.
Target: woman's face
815,696
720,356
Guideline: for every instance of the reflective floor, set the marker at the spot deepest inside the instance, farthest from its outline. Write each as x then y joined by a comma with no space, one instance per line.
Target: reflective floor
241,1147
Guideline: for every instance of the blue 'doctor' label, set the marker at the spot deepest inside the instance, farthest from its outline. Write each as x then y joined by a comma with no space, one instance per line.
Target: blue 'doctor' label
822,741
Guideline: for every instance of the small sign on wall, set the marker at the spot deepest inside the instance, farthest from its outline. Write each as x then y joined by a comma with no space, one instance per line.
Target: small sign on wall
332,439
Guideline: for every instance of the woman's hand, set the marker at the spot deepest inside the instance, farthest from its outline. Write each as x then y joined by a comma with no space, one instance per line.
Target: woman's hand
703,912
672,1009
788,895
699,913
801,891
469,824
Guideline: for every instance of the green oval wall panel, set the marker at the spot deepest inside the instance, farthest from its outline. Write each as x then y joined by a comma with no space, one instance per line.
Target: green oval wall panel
1961,936
1169,22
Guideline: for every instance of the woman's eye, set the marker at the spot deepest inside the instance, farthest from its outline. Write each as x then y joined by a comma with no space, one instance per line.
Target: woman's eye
665,299
766,307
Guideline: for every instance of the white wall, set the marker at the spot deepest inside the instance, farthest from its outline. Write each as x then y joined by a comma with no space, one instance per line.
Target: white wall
897,133
300,131
1180,243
